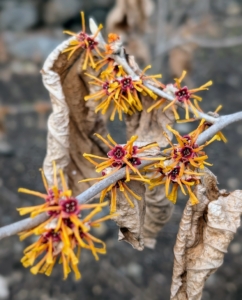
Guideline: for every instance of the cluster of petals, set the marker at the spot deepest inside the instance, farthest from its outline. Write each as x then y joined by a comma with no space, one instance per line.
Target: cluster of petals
86,42
180,169
179,175
119,90
182,95
127,156
64,234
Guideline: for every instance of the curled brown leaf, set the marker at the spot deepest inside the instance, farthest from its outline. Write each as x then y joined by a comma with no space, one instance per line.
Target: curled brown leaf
150,127
205,231
158,212
73,121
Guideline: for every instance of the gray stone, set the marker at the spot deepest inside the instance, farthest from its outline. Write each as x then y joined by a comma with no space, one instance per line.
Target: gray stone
34,47
18,16
4,290
134,270
235,248
233,183
5,147
59,11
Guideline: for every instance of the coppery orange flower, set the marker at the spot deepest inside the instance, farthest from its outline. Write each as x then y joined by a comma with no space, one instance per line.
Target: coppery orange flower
121,92
63,232
83,40
187,151
120,156
183,95
178,176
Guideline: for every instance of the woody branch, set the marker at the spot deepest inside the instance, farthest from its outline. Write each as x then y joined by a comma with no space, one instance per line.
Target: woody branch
88,195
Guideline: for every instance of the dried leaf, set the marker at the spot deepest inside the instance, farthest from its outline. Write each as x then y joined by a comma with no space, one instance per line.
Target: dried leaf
150,126
127,15
73,122
180,58
131,220
158,212
205,231
209,180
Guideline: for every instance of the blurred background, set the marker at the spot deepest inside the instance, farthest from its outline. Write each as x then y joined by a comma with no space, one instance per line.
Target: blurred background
203,37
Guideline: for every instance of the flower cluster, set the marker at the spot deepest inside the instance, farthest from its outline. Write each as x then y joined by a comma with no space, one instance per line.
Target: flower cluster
127,156
116,88
84,41
184,158
121,156
119,90
181,95
65,232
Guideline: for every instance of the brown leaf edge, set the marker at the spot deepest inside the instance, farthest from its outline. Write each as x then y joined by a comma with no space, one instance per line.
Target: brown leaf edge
73,122
205,231
130,220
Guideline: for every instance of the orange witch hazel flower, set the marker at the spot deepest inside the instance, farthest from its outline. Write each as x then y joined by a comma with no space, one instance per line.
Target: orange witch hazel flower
113,43
121,156
182,95
187,150
185,157
113,70
83,40
178,176
122,92
113,37
64,232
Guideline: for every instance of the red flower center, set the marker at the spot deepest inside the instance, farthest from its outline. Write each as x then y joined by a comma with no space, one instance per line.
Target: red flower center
52,212
70,206
187,137
117,153
117,164
183,94
106,87
116,69
135,150
87,41
135,161
174,173
68,223
82,37
126,83
91,43
52,234
186,152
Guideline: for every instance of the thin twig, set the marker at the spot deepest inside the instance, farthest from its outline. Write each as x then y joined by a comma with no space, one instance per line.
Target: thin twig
121,60
84,197
221,122
30,223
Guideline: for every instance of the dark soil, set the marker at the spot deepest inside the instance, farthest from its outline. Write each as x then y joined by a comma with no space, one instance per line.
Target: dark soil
123,273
